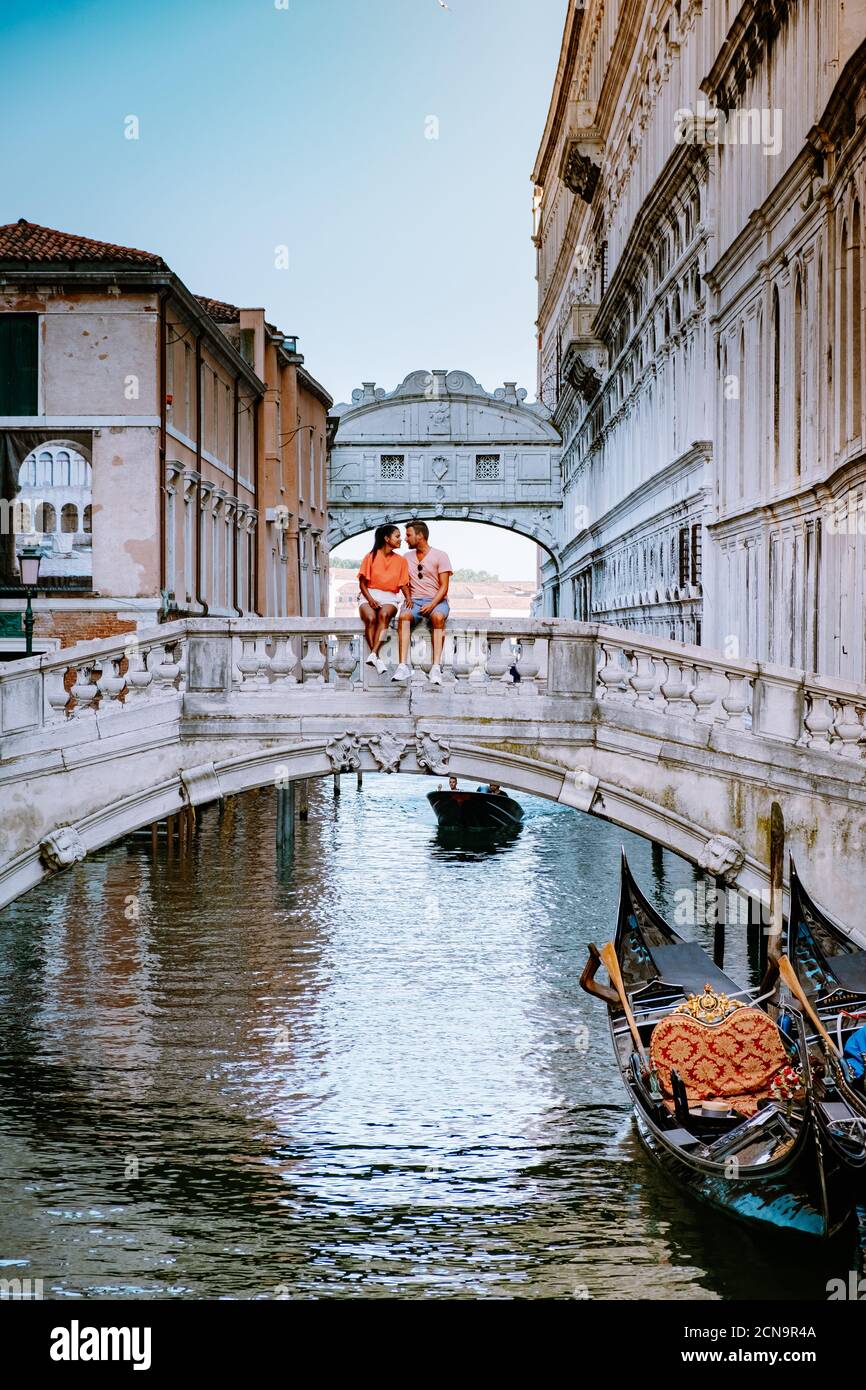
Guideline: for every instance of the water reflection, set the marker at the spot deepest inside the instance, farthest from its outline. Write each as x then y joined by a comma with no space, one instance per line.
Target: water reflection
374,1073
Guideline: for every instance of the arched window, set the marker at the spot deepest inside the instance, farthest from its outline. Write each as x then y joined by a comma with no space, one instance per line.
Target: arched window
777,360
88,519
741,418
760,411
856,254
61,469
27,473
44,473
798,374
46,519
79,473
843,340
69,519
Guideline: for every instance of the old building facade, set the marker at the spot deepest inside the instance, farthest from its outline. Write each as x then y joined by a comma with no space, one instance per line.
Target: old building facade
181,417
698,196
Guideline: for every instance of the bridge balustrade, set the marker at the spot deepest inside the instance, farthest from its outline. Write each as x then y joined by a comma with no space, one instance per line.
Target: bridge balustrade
499,660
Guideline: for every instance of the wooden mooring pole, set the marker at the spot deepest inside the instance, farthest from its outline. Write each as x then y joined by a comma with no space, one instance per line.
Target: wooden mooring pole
772,941
721,922
285,820
302,799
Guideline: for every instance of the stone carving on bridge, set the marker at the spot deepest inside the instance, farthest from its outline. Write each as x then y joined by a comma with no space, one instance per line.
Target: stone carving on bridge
201,784
433,754
579,789
722,857
344,752
387,751
62,848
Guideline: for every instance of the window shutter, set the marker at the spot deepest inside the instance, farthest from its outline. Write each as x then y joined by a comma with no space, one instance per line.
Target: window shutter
19,361
696,554
684,556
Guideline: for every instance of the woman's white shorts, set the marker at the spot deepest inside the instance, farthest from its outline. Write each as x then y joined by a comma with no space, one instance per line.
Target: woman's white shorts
382,596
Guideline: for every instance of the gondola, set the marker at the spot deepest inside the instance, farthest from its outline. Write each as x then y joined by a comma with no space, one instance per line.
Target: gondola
737,1142
830,966
476,811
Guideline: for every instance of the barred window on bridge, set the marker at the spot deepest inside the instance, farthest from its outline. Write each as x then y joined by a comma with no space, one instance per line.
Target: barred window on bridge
392,468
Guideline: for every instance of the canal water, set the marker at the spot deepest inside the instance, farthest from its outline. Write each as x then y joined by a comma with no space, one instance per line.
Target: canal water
369,1072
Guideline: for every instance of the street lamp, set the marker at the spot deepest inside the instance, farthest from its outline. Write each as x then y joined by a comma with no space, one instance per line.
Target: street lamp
29,559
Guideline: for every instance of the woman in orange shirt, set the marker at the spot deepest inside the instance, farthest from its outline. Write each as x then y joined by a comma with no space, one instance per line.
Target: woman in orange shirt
381,578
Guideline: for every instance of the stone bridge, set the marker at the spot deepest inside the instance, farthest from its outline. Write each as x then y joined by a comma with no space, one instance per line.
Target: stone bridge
440,447
672,742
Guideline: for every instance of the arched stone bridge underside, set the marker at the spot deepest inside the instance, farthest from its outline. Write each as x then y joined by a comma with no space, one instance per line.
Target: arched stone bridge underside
520,520
669,741
441,447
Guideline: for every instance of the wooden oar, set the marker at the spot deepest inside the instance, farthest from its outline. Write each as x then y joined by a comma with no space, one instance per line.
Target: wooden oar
789,977
777,864
608,955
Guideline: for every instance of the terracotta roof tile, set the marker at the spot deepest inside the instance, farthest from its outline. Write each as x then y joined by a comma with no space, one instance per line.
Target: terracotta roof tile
27,241
219,310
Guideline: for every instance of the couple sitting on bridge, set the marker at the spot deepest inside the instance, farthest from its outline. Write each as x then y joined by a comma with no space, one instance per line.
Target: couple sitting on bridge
421,577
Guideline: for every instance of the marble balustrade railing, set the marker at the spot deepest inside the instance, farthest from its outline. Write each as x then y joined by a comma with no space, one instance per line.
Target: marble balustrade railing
553,657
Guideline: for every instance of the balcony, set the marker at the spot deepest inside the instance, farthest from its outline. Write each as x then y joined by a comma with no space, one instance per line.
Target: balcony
584,356
582,156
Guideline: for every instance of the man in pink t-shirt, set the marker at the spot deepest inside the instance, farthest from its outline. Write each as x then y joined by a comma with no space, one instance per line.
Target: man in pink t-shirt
429,576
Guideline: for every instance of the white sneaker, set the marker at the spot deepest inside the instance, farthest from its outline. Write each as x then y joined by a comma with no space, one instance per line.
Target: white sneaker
372,659
402,673
435,676
376,661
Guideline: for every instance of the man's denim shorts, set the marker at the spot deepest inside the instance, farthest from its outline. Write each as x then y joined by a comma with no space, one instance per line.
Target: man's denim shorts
418,604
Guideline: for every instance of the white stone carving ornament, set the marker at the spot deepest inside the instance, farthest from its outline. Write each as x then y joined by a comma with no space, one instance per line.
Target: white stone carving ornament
62,848
722,857
387,751
344,752
433,754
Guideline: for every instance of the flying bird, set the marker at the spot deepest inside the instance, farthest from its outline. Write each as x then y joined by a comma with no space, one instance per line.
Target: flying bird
443,6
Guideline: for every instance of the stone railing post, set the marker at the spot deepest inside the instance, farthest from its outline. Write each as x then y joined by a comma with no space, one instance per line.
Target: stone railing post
209,663
572,665
21,699
777,704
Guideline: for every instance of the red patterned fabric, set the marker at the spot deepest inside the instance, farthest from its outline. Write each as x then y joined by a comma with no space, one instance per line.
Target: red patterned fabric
736,1058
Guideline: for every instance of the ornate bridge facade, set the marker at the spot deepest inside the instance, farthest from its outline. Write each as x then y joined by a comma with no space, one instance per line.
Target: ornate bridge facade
441,447
673,742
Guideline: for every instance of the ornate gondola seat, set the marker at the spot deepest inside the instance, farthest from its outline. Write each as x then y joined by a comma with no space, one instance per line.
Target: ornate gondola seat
720,1049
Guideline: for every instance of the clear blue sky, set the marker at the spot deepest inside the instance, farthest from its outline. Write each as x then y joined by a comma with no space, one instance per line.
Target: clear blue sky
261,127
